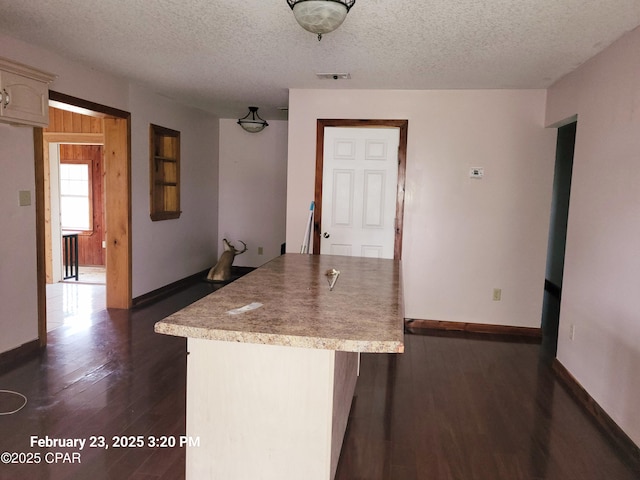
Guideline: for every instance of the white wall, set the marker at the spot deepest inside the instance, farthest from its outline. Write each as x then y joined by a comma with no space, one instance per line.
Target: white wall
168,250
18,296
602,260
163,252
462,237
253,190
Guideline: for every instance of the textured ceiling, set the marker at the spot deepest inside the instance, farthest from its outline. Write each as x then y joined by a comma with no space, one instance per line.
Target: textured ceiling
222,56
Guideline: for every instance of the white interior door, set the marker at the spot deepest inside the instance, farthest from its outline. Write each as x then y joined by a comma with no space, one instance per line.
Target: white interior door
359,187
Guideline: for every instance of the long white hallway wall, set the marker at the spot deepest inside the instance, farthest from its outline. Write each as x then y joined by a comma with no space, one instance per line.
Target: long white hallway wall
602,260
162,252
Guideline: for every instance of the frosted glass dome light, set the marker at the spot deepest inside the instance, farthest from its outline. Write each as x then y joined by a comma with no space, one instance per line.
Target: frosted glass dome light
320,16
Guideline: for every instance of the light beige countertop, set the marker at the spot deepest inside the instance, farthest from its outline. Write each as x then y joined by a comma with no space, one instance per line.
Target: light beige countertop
363,312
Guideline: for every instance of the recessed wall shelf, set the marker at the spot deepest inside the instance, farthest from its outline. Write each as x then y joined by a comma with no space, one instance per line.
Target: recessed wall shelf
164,147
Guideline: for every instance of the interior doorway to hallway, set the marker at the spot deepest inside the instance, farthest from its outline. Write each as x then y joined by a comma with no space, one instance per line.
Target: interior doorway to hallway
557,236
323,126
75,177
80,122
76,278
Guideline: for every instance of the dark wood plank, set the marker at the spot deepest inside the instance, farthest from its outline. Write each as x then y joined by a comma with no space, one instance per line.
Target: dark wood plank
116,377
603,420
469,408
435,327
448,409
14,357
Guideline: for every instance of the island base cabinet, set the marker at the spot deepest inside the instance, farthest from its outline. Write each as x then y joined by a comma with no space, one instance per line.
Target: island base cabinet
266,411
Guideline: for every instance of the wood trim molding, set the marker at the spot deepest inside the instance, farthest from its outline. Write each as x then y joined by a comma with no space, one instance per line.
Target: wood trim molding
162,292
118,146
11,358
41,235
117,188
79,138
84,107
597,413
464,328
403,125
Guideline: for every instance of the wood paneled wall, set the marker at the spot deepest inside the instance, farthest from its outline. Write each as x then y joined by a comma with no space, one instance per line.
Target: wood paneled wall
90,251
63,121
80,137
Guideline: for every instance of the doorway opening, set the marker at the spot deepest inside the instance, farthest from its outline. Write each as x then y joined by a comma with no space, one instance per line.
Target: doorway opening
322,125
557,236
77,124
75,267
75,183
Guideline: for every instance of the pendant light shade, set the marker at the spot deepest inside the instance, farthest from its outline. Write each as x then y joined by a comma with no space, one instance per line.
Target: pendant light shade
320,16
252,122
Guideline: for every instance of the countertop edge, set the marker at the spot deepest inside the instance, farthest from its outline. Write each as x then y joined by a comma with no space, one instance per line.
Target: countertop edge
344,345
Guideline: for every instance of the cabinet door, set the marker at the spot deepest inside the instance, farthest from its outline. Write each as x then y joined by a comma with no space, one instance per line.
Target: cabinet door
24,100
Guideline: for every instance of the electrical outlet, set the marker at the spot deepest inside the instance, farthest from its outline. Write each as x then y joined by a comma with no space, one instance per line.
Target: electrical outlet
572,332
497,294
260,250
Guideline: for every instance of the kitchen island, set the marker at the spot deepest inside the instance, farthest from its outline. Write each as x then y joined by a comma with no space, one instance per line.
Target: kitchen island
273,360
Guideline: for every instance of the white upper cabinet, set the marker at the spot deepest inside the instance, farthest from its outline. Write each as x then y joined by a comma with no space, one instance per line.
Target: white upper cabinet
24,94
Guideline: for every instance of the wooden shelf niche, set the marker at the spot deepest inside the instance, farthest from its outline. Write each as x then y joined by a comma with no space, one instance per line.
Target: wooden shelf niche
164,150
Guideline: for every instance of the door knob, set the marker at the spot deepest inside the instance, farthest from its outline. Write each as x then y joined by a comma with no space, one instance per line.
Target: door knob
326,235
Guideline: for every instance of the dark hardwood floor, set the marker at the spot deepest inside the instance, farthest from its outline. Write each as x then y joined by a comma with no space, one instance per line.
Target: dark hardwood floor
449,408
471,409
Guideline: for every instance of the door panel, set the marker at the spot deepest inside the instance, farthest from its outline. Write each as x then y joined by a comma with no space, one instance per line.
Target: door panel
359,191
374,199
342,198
340,249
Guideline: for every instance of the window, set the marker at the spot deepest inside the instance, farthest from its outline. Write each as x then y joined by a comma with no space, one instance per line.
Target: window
75,196
164,146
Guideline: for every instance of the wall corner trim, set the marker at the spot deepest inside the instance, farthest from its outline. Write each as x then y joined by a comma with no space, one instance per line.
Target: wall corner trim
621,440
14,357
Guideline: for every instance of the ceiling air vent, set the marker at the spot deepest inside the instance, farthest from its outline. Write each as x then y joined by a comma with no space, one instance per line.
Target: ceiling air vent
333,76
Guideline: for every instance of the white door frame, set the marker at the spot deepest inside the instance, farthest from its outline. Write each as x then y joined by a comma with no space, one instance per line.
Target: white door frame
56,228
402,160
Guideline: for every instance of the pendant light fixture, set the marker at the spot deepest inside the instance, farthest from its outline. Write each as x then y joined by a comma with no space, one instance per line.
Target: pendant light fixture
252,122
320,16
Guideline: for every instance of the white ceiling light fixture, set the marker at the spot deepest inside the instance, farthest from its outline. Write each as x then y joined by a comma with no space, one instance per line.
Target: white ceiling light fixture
252,122
320,16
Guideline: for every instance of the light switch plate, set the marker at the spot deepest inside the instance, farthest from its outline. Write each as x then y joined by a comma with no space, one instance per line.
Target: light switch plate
25,198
